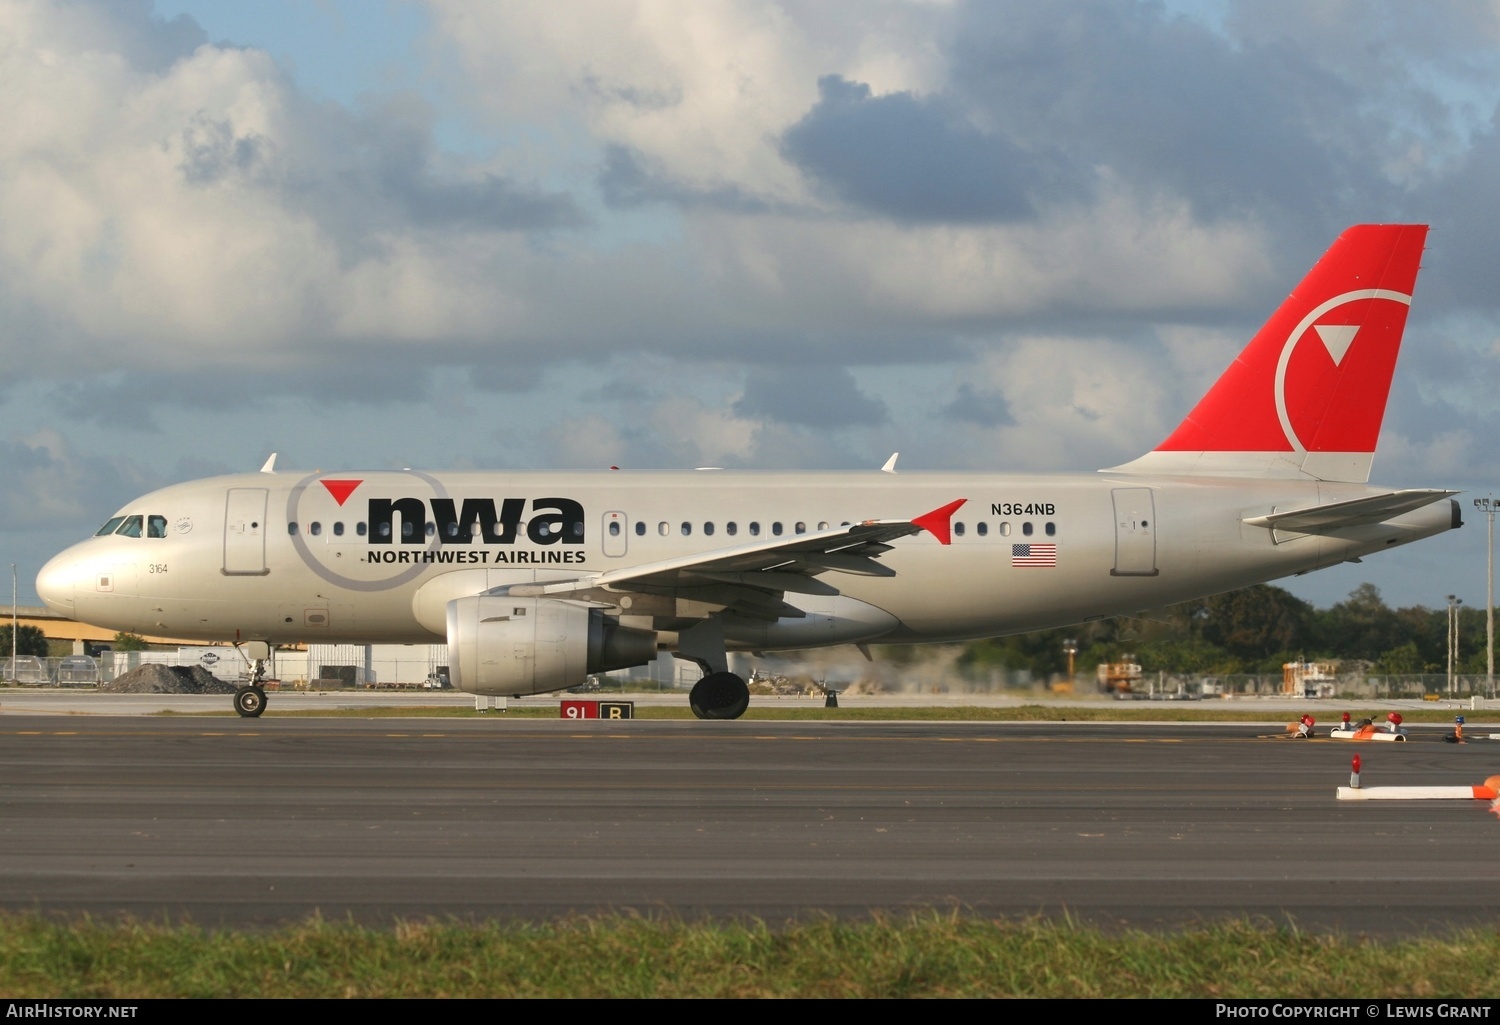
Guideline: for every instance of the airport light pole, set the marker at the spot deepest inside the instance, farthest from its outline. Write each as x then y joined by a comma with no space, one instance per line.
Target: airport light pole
1070,648
1453,603
14,631
1488,505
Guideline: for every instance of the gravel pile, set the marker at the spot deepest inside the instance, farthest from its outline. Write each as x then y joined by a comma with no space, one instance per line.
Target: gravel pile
156,679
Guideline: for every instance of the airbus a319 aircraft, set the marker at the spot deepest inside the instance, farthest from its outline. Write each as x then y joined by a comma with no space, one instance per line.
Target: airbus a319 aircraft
535,580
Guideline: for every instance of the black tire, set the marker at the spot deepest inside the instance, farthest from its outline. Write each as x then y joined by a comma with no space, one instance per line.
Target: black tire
250,701
720,696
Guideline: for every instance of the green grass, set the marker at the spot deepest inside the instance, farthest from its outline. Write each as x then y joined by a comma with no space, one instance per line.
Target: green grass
933,955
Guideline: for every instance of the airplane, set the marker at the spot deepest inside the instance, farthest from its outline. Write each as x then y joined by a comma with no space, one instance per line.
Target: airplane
537,579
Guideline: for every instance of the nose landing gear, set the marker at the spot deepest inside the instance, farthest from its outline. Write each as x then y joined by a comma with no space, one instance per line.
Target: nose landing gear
250,700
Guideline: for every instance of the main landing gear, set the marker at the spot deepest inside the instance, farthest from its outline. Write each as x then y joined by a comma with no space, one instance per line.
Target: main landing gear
722,695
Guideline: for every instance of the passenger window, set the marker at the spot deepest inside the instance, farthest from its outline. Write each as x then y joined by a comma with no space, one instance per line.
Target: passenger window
664,528
291,528
431,529
1026,528
754,529
614,528
687,529
360,528
110,527
776,528
1051,528
131,527
823,525
801,527
958,530
156,526
708,529
315,528
731,528
578,529
981,528
338,529
385,529
640,528
1005,529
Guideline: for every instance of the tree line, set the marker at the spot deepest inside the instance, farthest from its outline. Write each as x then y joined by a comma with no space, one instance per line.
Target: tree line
1254,630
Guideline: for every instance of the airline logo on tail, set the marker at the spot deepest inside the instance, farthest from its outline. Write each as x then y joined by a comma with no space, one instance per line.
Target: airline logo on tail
1307,396
1324,405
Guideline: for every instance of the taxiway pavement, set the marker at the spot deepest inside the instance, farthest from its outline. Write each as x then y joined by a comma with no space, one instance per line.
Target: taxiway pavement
260,822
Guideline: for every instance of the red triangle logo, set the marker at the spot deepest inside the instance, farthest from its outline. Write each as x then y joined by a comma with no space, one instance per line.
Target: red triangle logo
341,489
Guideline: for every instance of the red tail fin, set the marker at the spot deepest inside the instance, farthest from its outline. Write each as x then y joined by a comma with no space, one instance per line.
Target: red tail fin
1306,397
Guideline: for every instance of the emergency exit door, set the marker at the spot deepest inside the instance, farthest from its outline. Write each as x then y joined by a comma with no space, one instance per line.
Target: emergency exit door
1135,533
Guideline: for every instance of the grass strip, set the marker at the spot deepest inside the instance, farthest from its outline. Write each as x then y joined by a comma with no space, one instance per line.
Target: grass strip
930,955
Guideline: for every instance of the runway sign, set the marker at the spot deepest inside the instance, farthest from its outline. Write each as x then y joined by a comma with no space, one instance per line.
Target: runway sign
598,709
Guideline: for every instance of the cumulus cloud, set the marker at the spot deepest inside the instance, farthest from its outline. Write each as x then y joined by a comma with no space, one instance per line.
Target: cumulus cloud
50,482
748,227
811,396
169,206
1071,403
914,159
700,90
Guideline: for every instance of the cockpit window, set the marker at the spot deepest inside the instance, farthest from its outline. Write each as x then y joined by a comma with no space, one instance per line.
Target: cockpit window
156,526
109,528
131,527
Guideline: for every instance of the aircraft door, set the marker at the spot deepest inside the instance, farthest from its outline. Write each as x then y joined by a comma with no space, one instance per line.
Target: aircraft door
615,533
1135,533
245,532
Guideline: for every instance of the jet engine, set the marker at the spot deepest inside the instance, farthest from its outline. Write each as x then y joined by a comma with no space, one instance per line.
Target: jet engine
503,645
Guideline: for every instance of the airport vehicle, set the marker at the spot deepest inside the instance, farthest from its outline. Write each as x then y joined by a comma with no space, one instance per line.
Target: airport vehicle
537,580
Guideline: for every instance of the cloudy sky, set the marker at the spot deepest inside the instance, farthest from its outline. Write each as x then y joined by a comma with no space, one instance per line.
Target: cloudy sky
995,236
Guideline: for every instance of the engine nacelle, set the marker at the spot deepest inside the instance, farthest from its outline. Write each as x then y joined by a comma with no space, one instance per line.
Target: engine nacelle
503,645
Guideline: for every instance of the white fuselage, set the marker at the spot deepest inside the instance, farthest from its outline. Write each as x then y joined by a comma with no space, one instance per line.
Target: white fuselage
278,557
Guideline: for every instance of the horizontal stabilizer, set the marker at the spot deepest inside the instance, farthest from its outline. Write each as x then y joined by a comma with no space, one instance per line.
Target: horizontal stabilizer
1323,518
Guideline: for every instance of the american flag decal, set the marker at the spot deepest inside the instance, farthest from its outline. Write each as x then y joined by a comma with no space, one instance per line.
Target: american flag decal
1033,555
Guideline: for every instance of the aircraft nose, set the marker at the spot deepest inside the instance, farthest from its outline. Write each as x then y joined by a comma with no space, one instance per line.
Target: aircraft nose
56,581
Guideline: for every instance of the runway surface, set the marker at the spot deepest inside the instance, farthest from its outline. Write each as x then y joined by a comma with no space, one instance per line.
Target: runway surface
260,822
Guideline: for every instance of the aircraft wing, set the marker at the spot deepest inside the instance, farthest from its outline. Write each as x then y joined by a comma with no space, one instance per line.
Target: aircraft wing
1358,512
752,579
